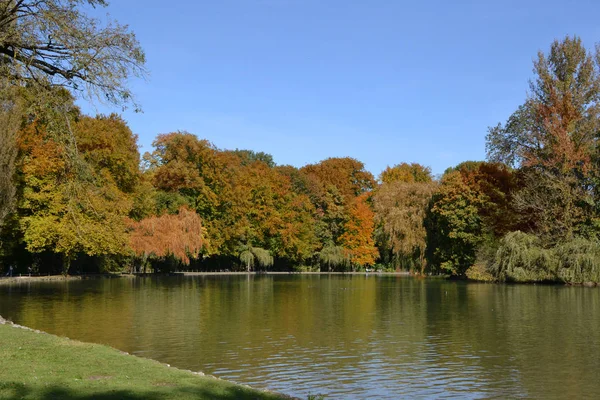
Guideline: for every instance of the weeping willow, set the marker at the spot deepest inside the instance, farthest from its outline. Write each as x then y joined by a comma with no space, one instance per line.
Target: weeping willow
520,257
334,256
579,261
251,255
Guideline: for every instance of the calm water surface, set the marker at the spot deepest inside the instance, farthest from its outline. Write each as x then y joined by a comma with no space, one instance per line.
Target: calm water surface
342,336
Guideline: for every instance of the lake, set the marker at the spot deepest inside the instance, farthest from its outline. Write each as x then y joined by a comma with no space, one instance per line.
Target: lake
341,336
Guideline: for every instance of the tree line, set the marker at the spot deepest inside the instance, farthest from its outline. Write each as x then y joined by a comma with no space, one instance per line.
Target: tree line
77,196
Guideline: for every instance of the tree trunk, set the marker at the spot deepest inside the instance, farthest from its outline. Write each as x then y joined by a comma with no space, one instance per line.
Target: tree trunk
66,264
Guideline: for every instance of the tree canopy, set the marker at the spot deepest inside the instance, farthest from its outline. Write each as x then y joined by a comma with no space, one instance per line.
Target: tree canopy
55,43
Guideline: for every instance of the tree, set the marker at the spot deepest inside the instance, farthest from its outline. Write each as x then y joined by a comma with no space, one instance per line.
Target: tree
242,200
190,171
473,206
556,126
332,185
334,257
400,209
552,137
357,238
10,122
250,156
50,44
406,173
346,174
497,184
54,43
249,255
454,226
180,236
70,205
107,143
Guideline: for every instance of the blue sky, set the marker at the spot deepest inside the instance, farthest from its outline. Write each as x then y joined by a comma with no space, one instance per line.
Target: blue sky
381,81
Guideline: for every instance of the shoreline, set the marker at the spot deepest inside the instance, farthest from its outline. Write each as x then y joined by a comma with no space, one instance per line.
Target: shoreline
59,278
4,280
372,273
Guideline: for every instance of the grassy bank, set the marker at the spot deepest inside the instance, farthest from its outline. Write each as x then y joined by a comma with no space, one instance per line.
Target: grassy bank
42,366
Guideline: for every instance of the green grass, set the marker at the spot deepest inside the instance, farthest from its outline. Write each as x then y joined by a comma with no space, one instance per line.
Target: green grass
43,366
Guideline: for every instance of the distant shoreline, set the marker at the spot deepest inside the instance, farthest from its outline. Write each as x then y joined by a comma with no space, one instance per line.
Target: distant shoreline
189,273
58,278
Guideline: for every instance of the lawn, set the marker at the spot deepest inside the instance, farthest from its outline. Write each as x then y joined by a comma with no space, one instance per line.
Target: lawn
42,366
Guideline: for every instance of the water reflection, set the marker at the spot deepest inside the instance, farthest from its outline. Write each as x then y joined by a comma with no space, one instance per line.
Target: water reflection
345,336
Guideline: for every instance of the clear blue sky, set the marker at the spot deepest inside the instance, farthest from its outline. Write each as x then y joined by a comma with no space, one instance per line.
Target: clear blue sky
380,81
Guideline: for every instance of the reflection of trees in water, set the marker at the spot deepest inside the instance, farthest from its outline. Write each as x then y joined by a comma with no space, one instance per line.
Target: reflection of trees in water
528,340
420,335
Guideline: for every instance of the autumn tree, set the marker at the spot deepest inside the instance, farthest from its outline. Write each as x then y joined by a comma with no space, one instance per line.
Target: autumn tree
188,171
242,199
250,156
473,206
107,143
404,172
552,137
66,207
555,127
499,185
400,209
179,236
347,175
332,185
50,44
357,239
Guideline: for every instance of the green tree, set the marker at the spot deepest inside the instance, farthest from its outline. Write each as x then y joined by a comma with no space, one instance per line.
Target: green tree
454,226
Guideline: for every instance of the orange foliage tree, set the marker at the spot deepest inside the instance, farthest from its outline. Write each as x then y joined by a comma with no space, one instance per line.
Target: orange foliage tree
357,238
346,174
180,236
